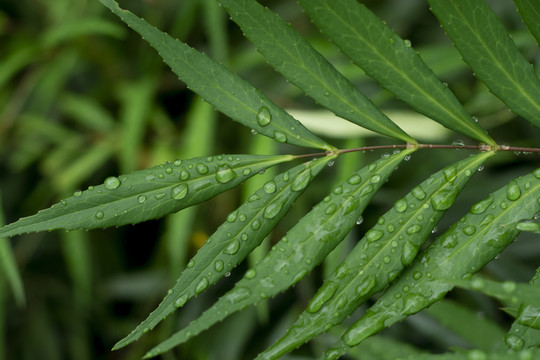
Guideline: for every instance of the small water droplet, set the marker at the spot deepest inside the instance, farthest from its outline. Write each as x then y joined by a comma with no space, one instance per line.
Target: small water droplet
272,210
514,342
401,205
179,192
355,179
280,137
536,173
232,216
99,215
481,206
263,116
360,220
250,274
242,217
301,180
180,301
444,198
225,174
469,230
513,191
326,292
408,253
190,264
509,286
413,229
417,275
375,178
528,226
477,355
269,187
184,174
256,224
159,196
177,162
374,235
407,43
390,227
331,209
232,248
458,143
141,199
111,183
201,168
391,40
254,197
219,265
418,193
202,285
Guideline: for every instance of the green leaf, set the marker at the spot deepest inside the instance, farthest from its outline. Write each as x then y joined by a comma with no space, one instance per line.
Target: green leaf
297,253
146,194
480,332
383,348
488,49
384,56
243,231
525,331
507,291
530,13
288,52
380,255
458,253
227,92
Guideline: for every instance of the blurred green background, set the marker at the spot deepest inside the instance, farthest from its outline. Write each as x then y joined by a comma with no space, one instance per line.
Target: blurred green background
82,97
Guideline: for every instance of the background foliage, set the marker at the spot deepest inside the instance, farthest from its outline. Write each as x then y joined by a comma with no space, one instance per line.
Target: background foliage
83,97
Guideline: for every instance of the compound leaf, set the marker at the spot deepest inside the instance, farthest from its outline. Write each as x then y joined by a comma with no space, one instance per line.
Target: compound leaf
297,253
380,255
243,231
458,253
230,94
384,56
146,194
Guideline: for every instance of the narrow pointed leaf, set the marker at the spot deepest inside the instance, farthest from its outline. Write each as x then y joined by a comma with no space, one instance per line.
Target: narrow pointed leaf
530,13
380,255
230,94
525,331
243,231
479,355
508,291
384,56
458,253
486,46
146,194
293,56
297,253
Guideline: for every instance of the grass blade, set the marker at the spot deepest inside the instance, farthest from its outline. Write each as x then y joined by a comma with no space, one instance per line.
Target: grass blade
380,255
525,331
479,355
243,231
488,49
384,56
227,92
146,194
304,246
530,13
458,253
289,53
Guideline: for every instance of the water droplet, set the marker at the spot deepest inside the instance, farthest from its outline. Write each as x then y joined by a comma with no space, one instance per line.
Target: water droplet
375,178
514,342
469,230
159,196
225,174
481,206
391,40
254,197
359,220
246,171
242,217
161,176
250,274
202,285
179,192
407,43
390,227
201,168
326,292
477,355
417,275
111,183
528,226
269,187
374,235
450,174
232,248
218,265
401,205
408,253
190,264
386,259
99,215
280,137
326,93
512,191
180,301
444,198
272,210
141,199
355,179
256,224
169,170
232,216
458,143
418,193
184,174
301,180
536,173
331,209
414,229
177,162
263,116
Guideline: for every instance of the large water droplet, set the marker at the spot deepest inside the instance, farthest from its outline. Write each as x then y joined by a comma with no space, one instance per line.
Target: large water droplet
450,174
202,285
374,235
408,253
512,191
269,187
201,168
272,210
225,174
111,183
179,192
301,180
232,248
326,293
401,205
263,116
514,342
184,174
528,226
481,206
418,193
180,301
